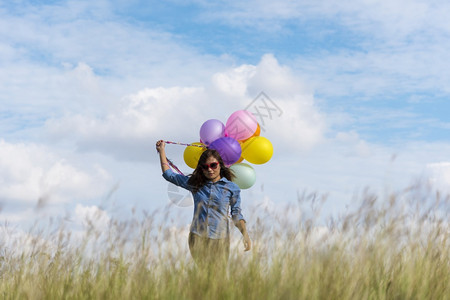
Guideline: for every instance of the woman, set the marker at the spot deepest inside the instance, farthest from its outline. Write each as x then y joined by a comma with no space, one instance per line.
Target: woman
214,193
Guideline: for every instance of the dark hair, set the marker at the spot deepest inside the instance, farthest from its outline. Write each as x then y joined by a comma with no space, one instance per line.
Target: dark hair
198,179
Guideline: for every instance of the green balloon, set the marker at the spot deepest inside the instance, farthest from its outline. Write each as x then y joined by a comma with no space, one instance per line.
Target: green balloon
245,175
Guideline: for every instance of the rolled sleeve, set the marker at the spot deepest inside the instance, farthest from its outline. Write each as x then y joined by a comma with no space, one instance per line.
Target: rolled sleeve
235,205
177,179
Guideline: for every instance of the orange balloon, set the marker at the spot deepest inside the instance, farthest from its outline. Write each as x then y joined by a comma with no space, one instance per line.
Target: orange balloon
256,133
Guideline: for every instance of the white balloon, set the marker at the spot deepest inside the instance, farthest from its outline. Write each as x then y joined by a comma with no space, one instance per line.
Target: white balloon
245,175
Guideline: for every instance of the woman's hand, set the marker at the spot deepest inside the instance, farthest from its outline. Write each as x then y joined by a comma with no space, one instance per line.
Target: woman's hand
247,243
243,229
160,145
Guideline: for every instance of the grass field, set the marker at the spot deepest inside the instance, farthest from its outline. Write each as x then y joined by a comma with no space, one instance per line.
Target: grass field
391,248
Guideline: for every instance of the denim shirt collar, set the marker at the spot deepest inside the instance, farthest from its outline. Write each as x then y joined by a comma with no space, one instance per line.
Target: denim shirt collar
223,179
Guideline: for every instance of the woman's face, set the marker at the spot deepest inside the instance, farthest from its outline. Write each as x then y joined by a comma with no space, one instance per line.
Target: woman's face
211,169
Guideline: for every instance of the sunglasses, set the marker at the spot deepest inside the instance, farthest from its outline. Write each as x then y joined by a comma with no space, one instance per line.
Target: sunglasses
213,166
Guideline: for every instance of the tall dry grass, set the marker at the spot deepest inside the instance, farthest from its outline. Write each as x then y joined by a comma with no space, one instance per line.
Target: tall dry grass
394,247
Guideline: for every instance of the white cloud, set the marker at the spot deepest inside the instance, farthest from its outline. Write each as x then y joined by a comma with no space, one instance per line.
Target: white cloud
76,57
363,47
275,79
128,131
92,217
25,215
353,144
44,235
234,82
439,176
398,18
289,113
16,242
32,174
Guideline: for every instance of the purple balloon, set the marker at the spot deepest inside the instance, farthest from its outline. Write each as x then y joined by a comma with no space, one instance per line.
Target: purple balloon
211,130
228,148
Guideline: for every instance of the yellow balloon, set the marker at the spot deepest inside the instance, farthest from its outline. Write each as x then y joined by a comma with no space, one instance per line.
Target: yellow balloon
257,150
192,154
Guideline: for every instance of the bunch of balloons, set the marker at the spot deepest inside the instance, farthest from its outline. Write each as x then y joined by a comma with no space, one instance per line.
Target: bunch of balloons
235,141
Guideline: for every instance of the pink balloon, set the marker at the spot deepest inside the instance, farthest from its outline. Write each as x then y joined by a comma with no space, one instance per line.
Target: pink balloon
211,130
241,125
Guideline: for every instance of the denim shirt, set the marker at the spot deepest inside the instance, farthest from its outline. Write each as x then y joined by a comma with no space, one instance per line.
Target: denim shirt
211,203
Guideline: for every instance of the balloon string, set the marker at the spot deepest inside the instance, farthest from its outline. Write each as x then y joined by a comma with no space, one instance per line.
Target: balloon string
183,144
173,166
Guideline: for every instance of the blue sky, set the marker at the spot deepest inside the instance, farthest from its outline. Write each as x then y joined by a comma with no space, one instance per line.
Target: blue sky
87,87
